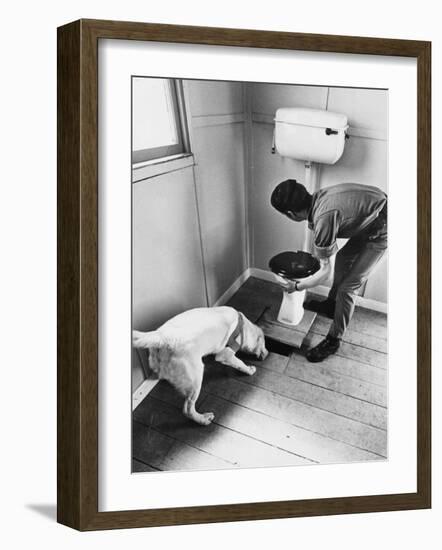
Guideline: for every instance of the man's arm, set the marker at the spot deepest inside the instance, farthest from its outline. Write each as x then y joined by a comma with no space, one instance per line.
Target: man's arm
320,277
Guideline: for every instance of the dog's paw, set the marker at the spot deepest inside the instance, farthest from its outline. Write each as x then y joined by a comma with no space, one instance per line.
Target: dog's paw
251,370
207,418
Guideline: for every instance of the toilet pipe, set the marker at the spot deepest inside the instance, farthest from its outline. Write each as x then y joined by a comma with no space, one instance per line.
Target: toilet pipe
312,185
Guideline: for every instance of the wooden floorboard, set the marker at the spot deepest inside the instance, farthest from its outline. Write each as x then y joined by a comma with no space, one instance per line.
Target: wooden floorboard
321,375
310,394
273,362
351,351
349,367
365,318
298,413
165,453
244,301
290,412
165,392
361,324
266,290
138,466
236,448
283,435
371,317
364,339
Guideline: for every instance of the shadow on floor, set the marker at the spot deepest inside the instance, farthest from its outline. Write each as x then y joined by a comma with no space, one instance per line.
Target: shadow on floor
49,511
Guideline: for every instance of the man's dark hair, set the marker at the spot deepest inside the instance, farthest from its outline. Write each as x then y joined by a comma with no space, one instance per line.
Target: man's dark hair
290,196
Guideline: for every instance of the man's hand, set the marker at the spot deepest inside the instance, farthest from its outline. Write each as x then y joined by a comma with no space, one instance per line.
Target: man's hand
288,286
322,276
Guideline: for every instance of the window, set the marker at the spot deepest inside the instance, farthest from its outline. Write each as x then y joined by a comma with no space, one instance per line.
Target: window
157,119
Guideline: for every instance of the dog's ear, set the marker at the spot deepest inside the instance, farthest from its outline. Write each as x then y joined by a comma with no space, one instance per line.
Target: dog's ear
245,321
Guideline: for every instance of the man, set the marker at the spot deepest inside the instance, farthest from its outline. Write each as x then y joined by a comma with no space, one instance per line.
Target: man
351,211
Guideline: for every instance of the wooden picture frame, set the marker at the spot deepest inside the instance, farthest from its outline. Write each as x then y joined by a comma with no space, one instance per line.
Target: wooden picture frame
78,274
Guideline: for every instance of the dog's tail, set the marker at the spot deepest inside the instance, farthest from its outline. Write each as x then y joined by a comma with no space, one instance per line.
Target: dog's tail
145,340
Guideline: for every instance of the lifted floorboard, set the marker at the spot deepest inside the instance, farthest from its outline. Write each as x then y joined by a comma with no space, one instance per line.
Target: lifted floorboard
291,335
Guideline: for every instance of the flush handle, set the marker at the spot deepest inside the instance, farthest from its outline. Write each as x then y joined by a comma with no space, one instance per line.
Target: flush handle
331,132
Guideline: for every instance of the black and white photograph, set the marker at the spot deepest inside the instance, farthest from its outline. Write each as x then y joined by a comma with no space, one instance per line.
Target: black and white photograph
220,262
259,274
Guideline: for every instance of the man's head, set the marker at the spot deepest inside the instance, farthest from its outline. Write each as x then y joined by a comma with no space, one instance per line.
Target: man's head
291,199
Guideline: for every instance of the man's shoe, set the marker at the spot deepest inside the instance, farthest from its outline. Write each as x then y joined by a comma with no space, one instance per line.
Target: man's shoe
324,307
327,347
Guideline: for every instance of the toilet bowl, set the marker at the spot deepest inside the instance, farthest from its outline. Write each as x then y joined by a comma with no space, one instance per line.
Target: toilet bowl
291,266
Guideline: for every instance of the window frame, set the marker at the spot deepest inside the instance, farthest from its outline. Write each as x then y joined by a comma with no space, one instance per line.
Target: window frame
159,154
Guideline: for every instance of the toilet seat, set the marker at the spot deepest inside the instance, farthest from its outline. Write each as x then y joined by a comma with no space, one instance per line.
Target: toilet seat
294,265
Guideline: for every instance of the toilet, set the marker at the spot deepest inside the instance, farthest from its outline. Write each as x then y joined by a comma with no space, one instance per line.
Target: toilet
314,136
291,266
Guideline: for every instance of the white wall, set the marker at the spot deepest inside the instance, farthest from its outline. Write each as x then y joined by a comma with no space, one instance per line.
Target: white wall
167,261
167,267
270,231
189,230
216,110
364,161
29,241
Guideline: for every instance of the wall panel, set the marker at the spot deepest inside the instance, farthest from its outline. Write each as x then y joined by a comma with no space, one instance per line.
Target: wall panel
215,98
266,98
270,231
365,160
220,178
167,263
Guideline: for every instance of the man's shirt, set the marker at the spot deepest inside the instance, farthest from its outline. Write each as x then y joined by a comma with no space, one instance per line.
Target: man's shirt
342,211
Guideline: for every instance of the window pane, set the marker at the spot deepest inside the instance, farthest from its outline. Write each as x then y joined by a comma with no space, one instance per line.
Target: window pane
153,114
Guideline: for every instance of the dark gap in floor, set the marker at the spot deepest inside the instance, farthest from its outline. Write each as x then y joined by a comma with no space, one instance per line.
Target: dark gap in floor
278,347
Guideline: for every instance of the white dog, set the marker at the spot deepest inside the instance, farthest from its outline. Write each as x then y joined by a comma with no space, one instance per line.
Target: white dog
176,349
